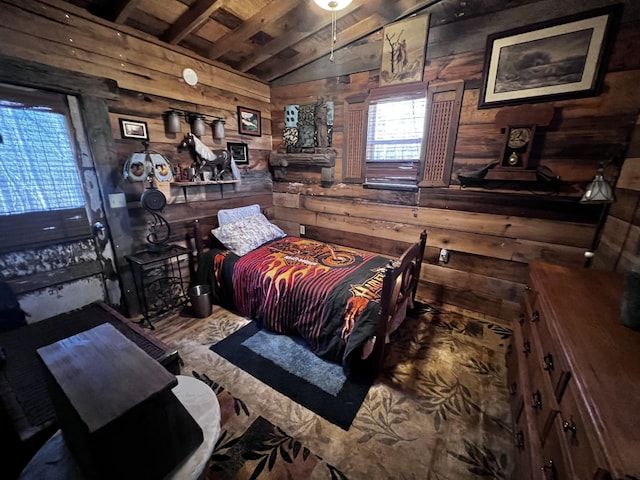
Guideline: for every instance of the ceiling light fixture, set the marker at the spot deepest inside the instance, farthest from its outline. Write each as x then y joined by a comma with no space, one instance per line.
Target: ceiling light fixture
333,6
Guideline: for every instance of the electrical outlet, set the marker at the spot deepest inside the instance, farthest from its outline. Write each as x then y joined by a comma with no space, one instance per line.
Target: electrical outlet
303,230
444,256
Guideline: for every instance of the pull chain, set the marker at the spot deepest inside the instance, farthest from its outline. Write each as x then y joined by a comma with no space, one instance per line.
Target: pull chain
334,36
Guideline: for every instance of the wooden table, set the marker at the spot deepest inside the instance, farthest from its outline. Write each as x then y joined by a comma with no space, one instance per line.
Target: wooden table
54,460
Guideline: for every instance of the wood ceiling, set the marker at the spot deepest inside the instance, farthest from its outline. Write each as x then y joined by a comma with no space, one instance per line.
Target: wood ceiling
267,39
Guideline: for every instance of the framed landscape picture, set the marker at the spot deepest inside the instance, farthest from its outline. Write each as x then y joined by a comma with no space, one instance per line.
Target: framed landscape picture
133,129
249,122
558,59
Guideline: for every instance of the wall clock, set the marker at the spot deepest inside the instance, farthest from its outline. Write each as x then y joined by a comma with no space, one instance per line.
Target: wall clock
518,127
190,76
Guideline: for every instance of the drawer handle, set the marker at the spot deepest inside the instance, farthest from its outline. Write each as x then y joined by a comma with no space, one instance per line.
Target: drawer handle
548,362
551,468
527,347
537,400
521,319
569,426
536,316
519,441
513,388
527,289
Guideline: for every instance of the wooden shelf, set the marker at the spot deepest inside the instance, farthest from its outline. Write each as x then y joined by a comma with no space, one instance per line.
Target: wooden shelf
199,183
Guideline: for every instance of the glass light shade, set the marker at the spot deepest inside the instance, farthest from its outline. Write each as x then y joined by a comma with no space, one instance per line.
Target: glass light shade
598,191
172,122
198,127
218,129
332,4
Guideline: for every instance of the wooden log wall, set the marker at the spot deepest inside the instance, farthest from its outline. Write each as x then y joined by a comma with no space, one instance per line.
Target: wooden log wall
148,74
619,248
491,234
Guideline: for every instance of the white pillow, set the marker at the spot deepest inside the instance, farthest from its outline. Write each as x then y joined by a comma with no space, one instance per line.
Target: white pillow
247,234
229,215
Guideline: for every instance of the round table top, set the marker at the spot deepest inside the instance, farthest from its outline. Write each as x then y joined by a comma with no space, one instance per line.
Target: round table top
54,460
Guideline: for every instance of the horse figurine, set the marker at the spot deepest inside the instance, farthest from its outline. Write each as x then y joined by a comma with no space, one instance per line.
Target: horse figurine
219,161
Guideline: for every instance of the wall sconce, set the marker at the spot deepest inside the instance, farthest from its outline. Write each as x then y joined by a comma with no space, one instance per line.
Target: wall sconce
196,120
598,191
218,129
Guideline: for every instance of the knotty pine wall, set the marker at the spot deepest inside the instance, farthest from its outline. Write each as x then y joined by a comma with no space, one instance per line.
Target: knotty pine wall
148,74
491,235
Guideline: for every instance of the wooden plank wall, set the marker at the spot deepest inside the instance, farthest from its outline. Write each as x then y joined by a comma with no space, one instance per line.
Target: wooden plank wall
491,235
148,74
619,248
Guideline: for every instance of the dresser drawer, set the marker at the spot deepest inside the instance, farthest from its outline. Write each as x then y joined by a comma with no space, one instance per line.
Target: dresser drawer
514,386
541,400
579,439
555,465
523,449
551,360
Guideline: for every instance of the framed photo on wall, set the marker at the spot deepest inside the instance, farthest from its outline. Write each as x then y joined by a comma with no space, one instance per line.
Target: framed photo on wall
553,60
239,151
249,122
133,129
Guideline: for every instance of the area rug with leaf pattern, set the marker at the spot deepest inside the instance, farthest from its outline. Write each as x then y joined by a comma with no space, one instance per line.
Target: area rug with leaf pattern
439,411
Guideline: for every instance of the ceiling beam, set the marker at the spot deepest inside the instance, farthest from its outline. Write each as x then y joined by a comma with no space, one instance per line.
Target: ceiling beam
313,51
271,12
287,40
190,20
123,9
356,32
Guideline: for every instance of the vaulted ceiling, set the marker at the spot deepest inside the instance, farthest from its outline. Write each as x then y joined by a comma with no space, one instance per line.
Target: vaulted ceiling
267,39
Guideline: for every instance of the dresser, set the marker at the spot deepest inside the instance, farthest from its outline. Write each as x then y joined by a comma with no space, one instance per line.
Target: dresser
573,374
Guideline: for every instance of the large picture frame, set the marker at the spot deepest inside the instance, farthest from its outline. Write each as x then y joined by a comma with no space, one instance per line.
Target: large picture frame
133,129
553,60
249,121
403,51
239,151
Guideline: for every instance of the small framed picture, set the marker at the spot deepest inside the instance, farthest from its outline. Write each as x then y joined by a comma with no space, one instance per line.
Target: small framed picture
133,129
239,151
249,122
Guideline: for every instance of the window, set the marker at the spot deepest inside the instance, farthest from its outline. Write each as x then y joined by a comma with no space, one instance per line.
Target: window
41,194
402,137
395,132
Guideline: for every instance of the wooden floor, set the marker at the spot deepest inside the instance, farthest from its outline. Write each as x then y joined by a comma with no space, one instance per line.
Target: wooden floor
176,325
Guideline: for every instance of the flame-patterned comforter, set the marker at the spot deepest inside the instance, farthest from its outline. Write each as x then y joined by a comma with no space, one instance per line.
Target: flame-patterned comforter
327,294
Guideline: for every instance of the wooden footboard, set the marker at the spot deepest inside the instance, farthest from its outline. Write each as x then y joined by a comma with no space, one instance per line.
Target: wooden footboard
398,294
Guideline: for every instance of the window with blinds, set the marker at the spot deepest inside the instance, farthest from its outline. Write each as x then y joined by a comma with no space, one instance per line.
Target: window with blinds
394,141
402,137
41,193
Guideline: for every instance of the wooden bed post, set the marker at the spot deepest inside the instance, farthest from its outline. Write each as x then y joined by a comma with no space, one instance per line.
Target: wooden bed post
400,283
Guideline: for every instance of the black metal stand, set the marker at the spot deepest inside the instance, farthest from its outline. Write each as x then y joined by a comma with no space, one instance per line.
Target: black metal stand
157,276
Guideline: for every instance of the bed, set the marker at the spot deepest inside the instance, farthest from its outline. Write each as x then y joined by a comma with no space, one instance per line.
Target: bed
343,302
